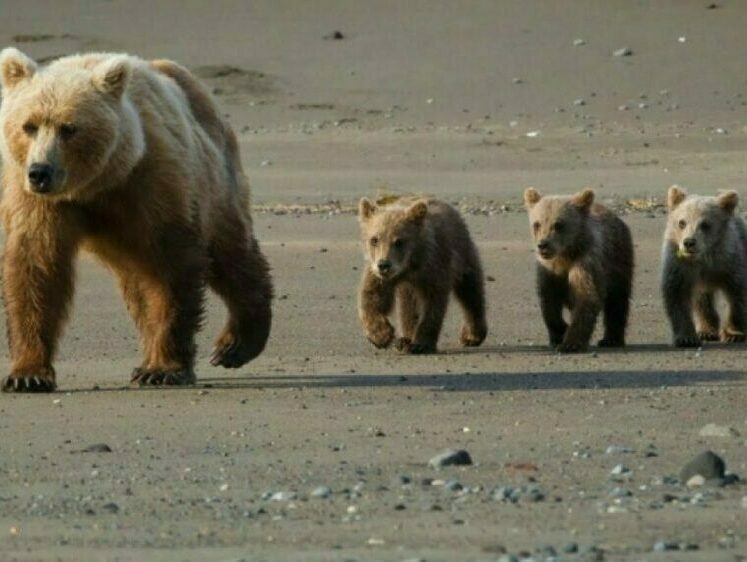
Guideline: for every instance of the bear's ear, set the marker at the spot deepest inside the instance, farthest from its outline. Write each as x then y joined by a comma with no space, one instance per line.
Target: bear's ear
366,208
16,67
417,212
531,196
675,196
728,200
583,199
112,75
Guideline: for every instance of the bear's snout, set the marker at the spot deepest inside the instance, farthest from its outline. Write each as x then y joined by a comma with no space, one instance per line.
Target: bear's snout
40,177
690,244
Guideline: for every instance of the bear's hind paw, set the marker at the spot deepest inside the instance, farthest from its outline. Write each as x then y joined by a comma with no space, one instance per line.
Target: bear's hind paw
162,377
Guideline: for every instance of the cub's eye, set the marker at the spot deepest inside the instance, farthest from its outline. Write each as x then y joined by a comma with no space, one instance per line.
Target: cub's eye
536,226
559,226
705,226
374,241
682,224
399,244
68,130
30,128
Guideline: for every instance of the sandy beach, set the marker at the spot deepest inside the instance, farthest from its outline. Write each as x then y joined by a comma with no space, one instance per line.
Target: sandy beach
468,101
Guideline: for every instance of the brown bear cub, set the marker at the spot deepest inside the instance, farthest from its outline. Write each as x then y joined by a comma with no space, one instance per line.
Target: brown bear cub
584,263
417,252
705,251
130,160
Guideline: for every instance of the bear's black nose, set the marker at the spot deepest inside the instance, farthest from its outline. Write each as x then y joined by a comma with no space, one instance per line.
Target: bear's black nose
689,243
40,176
384,266
543,245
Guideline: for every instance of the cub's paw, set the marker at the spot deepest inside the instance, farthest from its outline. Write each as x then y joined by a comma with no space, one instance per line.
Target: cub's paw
571,347
232,352
611,342
162,377
472,337
413,348
708,335
687,341
403,344
37,381
382,336
732,336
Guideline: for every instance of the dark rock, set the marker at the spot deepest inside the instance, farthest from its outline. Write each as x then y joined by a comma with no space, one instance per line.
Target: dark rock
335,35
97,448
451,457
707,464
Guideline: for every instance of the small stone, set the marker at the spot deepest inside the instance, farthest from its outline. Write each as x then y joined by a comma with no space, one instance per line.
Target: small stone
266,163
620,470
282,496
97,448
335,36
623,107
713,430
321,492
620,493
663,546
708,465
453,485
696,481
110,507
624,52
578,42
451,457
517,81
579,102
570,548
617,450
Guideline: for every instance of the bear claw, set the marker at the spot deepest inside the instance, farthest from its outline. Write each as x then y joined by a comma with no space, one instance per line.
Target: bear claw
708,336
405,345
28,383
687,341
158,377
729,336
610,342
233,354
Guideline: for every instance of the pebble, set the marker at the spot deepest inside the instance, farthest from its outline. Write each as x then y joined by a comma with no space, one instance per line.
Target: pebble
321,492
578,42
453,485
335,35
620,470
713,430
624,52
451,457
620,493
110,507
708,465
663,546
617,450
97,448
266,163
282,496
579,102
570,548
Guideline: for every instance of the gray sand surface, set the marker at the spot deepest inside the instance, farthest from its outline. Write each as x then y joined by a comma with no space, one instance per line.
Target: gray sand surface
419,97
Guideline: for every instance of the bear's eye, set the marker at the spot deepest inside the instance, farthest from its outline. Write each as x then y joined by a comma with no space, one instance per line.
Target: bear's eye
536,226
559,226
705,226
399,244
30,128
682,224
374,241
68,130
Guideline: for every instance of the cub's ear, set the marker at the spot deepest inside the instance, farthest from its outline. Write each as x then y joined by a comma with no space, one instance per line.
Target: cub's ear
583,199
675,196
728,200
417,212
15,67
366,208
113,75
531,196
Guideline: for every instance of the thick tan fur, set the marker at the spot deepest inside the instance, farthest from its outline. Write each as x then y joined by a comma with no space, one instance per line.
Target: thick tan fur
584,263
704,253
144,174
418,251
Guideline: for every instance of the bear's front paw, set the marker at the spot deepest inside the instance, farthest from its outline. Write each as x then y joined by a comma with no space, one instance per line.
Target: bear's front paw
571,347
687,341
472,337
167,377
611,342
729,335
403,344
708,335
382,335
30,381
